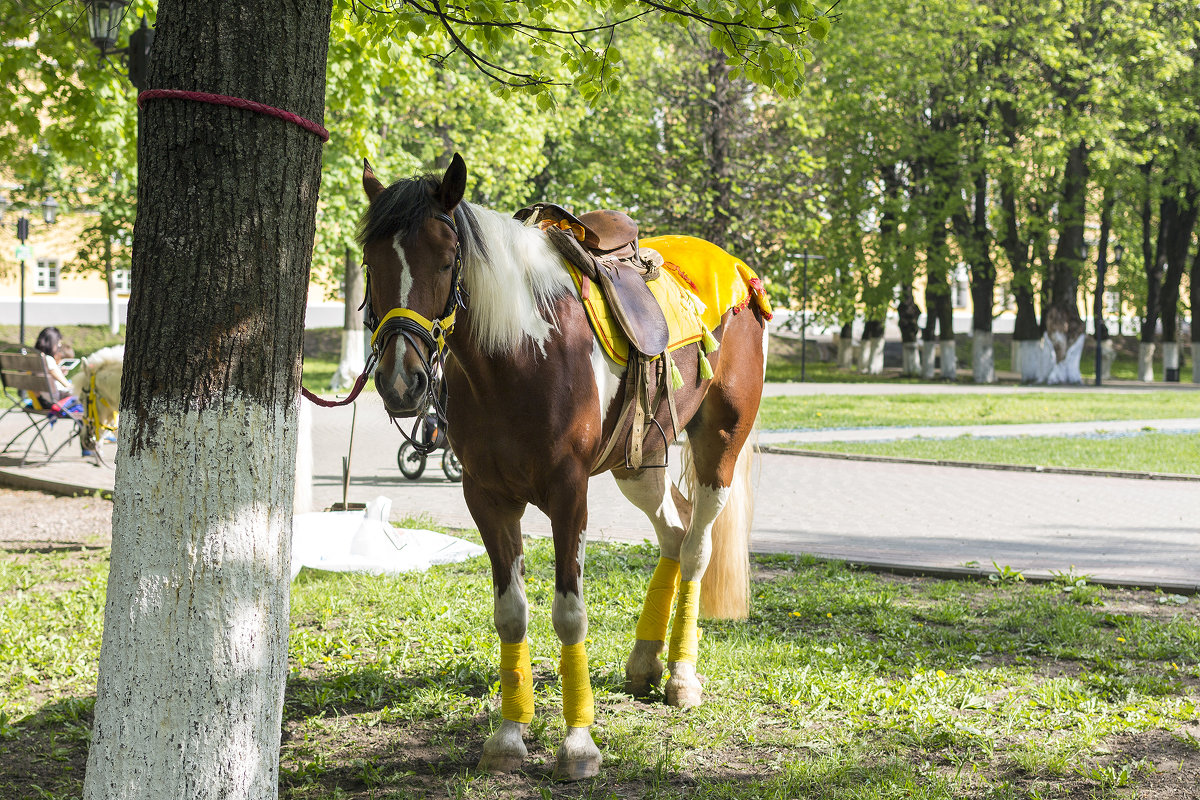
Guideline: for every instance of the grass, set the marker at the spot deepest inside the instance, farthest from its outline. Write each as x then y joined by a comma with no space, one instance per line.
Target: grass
842,684
823,412
1145,452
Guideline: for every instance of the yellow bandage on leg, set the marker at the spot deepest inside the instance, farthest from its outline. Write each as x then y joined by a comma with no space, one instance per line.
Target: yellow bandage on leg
516,682
579,707
685,634
660,596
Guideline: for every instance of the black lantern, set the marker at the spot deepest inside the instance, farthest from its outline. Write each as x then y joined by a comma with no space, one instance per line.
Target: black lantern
104,22
1118,254
104,25
49,210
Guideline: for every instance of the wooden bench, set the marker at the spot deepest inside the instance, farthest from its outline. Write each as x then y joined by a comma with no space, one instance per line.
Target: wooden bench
24,378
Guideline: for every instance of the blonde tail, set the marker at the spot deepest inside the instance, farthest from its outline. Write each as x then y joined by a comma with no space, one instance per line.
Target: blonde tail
725,588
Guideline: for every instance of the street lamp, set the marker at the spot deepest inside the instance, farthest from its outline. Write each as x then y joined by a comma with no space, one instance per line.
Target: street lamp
104,29
49,214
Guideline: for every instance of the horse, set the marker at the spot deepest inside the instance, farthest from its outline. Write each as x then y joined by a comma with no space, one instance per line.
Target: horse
461,291
99,389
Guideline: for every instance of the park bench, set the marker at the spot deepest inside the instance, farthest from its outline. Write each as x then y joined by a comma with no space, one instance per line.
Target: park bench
24,377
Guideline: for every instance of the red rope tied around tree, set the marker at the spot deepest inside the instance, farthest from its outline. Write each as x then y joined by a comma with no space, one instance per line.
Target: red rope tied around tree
235,102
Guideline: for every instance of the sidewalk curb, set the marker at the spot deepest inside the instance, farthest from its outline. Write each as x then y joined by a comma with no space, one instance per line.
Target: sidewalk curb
979,573
929,462
16,480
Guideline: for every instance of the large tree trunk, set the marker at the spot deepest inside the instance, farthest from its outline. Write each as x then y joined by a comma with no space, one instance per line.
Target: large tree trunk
1104,349
1153,261
1027,333
1194,283
721,119
194,654
975,238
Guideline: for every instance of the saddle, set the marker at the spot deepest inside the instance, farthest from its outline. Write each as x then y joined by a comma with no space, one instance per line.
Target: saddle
603,245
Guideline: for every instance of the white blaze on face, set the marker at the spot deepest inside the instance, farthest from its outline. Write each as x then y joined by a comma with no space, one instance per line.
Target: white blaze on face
406,278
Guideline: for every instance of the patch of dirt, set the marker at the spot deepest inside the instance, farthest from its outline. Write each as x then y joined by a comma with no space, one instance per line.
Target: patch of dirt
39,522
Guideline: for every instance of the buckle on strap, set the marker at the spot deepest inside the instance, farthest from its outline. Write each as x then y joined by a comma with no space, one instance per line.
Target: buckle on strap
433,331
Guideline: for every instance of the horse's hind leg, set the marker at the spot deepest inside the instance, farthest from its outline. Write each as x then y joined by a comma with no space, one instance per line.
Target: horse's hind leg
500,526
652,491
577,757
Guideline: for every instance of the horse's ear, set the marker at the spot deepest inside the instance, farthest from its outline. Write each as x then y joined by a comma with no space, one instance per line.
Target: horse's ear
371,184
454,184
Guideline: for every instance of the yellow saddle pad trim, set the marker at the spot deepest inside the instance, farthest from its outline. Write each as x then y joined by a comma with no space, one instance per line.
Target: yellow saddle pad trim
700,282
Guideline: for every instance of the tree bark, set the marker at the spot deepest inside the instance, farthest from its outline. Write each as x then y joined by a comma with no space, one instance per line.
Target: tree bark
1194,283
1177,238
909,315
194,653
1026,327
720,123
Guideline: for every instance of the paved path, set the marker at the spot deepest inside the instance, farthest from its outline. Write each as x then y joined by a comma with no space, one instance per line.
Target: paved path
910,516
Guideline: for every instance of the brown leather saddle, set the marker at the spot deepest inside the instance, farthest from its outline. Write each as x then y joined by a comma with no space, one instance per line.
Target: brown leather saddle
603,245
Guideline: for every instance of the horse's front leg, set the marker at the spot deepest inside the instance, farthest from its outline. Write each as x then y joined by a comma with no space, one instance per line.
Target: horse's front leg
577,757
500,526
651,491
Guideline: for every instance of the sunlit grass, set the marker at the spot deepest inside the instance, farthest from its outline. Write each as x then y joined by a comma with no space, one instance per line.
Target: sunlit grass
1144,452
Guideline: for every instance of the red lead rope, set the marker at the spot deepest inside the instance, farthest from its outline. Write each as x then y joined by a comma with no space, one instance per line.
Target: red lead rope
358,387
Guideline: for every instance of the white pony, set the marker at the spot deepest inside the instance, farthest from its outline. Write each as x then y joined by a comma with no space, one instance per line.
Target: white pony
98,386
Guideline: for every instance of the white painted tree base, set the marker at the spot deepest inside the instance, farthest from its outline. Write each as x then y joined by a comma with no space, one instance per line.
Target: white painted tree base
1195,363
1146,362
983,357
949,359
845,353
194,656
1108,354
1031,361
1170,358
352,361
928,367
871,358
1066,372
911,359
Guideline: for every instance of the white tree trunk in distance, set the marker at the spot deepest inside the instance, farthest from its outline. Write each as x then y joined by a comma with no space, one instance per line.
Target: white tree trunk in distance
873,361
928,366
197,604
1032,360
1195,365
1170,356
114,316
1146,362
911,359
845,353
983,357
1067,371
1108,354
949,359
352,361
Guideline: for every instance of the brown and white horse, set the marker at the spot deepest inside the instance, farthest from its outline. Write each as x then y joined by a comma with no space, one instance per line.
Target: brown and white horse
531,401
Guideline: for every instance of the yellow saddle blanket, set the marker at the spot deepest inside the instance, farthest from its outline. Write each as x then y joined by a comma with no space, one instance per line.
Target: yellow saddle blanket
699,283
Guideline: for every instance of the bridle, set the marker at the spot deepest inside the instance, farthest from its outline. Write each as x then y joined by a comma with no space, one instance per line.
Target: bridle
417,329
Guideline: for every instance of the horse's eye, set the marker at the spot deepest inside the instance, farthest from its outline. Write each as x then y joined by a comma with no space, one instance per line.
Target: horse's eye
448,267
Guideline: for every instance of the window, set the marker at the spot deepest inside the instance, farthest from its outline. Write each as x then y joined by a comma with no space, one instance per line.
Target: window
120,281
45,279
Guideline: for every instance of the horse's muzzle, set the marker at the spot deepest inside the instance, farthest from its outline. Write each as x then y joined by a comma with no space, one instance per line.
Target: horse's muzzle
404,394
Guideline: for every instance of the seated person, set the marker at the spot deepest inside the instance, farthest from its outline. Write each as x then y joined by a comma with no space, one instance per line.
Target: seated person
54,350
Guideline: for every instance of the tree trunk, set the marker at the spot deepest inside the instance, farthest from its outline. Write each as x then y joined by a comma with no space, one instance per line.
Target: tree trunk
870,360
354,351
909,314
845,346
114,319
1177,237
721,120
1194,283
194,655
1026,326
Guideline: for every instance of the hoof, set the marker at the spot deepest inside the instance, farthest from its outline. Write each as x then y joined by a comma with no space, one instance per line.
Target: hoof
578,758
504,751
500,763
683,689
644,669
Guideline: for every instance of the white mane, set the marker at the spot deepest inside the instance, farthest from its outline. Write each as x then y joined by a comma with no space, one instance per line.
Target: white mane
513,285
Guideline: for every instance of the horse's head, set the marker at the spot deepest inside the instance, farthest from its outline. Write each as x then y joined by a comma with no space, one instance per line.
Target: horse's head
411,252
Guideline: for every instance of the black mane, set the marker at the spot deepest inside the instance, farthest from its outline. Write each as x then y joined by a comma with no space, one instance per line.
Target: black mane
402,207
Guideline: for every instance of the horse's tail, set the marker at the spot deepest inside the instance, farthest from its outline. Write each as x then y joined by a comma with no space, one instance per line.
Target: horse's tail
725,588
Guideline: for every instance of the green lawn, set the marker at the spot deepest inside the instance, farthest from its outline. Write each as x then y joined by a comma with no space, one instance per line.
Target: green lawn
866,411
842,684
1146,452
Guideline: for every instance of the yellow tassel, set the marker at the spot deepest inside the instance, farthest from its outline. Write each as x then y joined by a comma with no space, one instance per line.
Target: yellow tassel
685,633
676,378
705,368
709,342
660,596
579,707
516,682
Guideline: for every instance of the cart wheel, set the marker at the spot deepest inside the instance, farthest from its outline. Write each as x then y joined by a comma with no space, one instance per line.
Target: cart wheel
411,463
451,465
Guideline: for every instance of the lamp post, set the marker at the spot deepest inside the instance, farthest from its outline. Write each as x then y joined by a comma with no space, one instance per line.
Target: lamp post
104,29
49,216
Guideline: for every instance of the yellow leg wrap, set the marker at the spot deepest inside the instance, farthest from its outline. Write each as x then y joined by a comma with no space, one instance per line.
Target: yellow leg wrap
685,634
579,707
516,682
660,596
